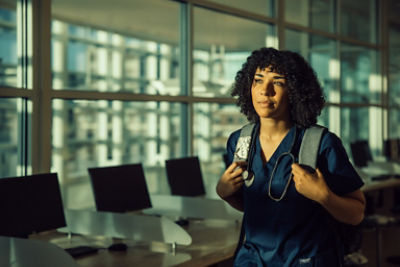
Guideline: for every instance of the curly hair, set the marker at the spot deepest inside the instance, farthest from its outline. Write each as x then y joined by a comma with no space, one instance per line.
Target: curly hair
306,99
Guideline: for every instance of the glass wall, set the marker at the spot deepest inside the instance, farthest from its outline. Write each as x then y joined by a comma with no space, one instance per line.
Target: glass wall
14,144
360,80
153,81
316,14
8,45
143,60
15,110
358,19
220,49
394,80
103,133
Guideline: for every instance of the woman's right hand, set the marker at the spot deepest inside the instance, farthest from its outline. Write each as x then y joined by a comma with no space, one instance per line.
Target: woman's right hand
231,181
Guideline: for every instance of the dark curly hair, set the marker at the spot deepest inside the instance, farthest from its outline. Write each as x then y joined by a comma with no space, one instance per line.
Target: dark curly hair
306,99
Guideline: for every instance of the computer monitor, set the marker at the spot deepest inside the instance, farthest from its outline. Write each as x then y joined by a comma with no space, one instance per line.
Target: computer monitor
30,204
391,149
361,153
185,177
120,188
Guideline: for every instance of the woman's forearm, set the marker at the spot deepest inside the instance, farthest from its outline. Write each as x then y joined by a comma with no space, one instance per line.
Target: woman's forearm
347,209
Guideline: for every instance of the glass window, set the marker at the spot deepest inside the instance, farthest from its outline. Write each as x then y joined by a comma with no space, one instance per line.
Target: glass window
8,46
137,53
317,14
213,123
394,118
358,20
262,7
394,65
14,144
109,133
320,53
360,78
362,124
330,118
222,44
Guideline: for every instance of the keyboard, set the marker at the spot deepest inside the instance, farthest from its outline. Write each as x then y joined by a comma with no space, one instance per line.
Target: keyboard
81,251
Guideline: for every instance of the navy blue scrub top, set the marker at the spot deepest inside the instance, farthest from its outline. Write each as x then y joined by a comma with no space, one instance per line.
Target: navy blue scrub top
295,231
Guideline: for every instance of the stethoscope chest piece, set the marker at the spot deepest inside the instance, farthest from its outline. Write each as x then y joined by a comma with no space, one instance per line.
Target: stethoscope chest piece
248,177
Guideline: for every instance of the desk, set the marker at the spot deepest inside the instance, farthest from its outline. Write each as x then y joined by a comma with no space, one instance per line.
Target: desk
377,185
212,241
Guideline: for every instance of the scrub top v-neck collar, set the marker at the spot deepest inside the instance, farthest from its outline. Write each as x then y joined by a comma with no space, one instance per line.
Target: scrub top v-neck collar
284,146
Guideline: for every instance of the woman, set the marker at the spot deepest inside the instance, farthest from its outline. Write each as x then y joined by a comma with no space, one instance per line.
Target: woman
279,91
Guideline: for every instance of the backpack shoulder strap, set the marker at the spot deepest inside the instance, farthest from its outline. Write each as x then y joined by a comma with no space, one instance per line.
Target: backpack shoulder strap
308,153
244,143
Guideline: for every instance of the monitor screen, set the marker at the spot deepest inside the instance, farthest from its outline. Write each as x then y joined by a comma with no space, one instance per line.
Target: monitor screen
185,177
120,188
361,153
391,149
30,204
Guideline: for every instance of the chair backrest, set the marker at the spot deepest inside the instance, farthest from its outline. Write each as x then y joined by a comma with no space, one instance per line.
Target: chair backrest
185,177
120,188
361,153
30,204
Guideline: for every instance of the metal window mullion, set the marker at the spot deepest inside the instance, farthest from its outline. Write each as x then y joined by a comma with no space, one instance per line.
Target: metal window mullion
186,74
41,114
384,39
281,24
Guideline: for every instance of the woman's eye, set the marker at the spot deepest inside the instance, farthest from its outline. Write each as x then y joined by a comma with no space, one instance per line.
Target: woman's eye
279,83
258,80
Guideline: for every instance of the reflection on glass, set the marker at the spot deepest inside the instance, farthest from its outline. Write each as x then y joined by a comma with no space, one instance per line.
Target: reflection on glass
13,150
8,46
394,118
363,123
137,53
360,80
108,133
317,14
358,20
320,53
222,44
394,65
262,7
213,123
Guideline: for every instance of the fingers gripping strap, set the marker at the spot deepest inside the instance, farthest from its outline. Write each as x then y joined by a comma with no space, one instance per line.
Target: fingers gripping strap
243,144
309,146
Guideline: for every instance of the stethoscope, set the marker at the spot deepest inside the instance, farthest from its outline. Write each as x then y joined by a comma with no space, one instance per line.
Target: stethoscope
248,175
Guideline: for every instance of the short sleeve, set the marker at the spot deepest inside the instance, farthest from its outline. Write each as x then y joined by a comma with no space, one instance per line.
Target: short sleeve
334,163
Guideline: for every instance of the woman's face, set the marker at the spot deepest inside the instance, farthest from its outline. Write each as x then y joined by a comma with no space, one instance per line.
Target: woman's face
269,95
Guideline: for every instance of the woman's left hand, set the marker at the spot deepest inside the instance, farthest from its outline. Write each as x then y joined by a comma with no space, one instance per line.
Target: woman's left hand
310,185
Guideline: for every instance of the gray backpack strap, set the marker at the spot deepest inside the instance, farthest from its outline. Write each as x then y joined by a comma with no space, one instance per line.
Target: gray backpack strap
243,145
308,153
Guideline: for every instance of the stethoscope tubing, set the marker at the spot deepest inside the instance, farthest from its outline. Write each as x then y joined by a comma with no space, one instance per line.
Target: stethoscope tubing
248,175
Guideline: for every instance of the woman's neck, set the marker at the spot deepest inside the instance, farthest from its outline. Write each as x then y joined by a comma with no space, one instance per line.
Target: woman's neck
272,129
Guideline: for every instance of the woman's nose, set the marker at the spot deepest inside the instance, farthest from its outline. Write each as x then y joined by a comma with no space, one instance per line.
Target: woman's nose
268,89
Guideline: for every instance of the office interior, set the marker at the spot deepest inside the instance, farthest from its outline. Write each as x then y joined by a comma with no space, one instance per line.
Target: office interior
86,84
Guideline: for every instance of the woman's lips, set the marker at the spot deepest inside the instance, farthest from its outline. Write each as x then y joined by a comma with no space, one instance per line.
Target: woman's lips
266,104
